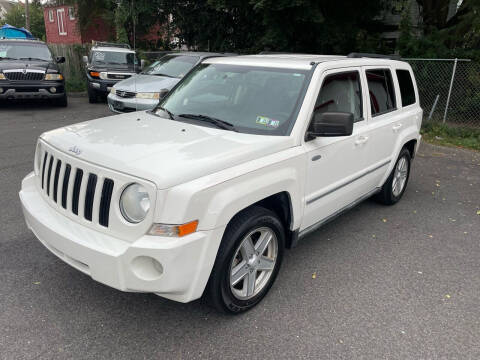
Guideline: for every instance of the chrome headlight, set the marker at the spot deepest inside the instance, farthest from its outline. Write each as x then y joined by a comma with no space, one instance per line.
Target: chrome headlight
134,203
2,77
103,75
53,77
112,90
145,95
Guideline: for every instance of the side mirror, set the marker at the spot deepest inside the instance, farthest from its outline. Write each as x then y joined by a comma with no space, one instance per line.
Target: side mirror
60,59
85,59
329,124
142,64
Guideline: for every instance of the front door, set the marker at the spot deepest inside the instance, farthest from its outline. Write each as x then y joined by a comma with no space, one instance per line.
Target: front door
336,165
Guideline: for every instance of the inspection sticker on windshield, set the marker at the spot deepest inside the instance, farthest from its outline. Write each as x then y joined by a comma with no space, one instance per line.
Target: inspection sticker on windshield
263,120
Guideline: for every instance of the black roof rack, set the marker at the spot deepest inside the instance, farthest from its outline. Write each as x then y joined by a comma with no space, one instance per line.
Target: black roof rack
108,44
373,56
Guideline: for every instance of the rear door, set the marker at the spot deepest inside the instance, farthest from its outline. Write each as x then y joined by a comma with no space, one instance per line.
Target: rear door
336,165
385,120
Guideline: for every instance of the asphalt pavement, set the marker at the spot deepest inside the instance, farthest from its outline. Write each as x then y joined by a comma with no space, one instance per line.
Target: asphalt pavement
400,282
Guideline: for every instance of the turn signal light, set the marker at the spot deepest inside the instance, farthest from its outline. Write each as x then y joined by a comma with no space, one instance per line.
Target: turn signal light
173,230
94,74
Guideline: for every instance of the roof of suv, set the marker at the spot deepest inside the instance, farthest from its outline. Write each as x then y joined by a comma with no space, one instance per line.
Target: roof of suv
112,48
22,40
202,54
296,61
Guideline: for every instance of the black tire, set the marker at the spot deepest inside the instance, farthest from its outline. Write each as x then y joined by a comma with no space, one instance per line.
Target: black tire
62,102
92,95
386,195
218,292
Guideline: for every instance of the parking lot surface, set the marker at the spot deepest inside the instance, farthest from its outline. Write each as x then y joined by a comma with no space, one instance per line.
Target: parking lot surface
399,282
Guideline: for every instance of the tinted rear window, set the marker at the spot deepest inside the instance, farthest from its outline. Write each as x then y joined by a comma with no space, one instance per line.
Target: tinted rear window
382,94
406,87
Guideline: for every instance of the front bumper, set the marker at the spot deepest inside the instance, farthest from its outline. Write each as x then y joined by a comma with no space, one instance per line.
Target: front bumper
34,90
120,105
100,85
185,263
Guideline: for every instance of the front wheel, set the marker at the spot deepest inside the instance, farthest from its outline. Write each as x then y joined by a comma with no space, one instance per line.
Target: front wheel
92,95
62,102
248,260
393,189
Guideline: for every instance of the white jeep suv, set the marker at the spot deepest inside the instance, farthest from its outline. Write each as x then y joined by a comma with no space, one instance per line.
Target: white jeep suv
244,157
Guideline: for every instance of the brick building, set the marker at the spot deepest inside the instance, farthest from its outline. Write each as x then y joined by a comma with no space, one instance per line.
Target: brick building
61,27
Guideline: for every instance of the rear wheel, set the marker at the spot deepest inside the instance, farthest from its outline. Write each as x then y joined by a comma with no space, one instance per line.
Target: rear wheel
393,189
248,260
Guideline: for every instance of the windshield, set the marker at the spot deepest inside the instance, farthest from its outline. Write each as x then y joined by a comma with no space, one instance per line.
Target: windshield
255,100
113,57
172,66
14,50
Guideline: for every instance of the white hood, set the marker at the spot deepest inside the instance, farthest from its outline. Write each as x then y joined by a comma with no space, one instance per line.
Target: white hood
164,151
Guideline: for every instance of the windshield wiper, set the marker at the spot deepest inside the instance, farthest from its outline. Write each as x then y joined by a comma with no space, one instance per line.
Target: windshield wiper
31,58
8,58
170,114
170,76
225,125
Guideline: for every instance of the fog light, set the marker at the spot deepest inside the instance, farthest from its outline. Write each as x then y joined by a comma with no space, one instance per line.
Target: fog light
146,268
1,90
53,90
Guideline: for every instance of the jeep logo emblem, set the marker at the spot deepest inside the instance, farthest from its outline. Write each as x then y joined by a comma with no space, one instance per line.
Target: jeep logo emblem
24,71
121,93
75,150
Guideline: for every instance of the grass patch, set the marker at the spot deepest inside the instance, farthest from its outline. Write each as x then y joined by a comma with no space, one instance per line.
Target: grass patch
443,134
75,85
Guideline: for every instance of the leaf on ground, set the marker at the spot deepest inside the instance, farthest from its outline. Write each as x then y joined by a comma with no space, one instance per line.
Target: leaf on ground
36,282
384,220
447,296
478,212
414,211
373,236
430,236
314,275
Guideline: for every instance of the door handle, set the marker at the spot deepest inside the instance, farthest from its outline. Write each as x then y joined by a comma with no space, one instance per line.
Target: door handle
397,127
361,140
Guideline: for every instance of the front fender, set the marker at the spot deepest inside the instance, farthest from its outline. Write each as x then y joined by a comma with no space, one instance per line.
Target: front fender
215,199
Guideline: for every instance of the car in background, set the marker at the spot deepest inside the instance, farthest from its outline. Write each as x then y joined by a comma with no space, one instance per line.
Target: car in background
107,64
145,90
29,71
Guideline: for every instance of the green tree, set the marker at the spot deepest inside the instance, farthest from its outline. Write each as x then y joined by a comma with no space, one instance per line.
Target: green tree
16,17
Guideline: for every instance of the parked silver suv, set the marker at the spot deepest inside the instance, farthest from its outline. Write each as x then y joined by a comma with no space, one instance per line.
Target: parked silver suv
143,91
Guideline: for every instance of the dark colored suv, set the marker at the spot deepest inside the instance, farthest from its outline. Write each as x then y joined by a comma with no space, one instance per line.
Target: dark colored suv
28,71
107,64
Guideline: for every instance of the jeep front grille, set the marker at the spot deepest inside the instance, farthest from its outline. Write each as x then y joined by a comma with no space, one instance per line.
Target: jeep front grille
118,76
21,76
56,180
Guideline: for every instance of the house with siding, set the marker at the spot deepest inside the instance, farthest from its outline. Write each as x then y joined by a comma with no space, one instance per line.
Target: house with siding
5,6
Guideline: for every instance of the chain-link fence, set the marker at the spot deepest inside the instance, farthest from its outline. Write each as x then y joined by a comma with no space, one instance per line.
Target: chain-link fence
449,90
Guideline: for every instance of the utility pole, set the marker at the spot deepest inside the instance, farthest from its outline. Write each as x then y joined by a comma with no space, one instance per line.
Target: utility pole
27,16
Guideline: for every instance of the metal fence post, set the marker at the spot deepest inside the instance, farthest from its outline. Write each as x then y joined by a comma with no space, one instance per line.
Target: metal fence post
450,90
